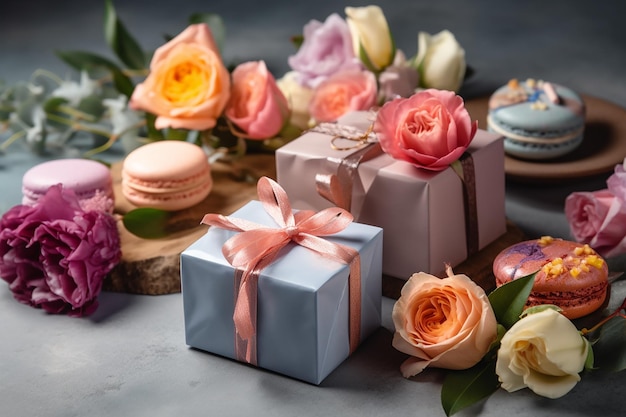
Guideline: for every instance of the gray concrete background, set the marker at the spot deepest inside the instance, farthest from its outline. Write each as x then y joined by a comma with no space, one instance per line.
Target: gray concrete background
130,358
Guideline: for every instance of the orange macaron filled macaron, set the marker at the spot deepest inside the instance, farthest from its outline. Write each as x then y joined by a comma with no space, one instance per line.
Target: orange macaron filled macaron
569,275
168,175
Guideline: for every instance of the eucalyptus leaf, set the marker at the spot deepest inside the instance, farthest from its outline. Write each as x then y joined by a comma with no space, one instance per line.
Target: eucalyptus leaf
509,299
92,105
120,40
88,61
53,104
215,22
461,389
610,347
147,223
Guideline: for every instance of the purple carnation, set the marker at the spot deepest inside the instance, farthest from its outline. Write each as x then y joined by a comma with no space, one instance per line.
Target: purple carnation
326,50
55,255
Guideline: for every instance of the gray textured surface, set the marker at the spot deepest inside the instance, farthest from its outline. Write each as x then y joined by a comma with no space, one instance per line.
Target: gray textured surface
130,357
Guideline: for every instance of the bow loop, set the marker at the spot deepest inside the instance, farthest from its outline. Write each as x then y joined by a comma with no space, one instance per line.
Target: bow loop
326,222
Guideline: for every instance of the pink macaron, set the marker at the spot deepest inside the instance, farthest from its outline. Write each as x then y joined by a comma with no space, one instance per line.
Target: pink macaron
90,180
168,175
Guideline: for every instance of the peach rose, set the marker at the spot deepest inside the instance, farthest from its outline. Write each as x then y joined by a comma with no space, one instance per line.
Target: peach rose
341,93
188,85
256,106
431,129
445,323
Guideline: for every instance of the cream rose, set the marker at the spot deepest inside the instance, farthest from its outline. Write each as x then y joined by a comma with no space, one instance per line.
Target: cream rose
440,61
298,97
370,31
188,85
544,352
445,323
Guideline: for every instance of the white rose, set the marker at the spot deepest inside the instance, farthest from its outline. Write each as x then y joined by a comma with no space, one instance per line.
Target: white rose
298,97
440,61
544,352
370,31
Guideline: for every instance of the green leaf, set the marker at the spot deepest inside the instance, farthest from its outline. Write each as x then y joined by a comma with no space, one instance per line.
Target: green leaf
508,300
461,389
215,22
590,357
365,59
147,223
297,41
153,132
610,347
88,61
120,40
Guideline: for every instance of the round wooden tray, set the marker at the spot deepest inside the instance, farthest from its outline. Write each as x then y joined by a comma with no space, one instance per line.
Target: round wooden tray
603,147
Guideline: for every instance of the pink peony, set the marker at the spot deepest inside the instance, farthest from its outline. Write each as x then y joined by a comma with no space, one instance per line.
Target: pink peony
431,129
326,50
55,256
256,106
598,218
341,93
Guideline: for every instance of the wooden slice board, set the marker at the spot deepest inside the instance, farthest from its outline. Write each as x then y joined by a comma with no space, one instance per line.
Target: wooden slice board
152,266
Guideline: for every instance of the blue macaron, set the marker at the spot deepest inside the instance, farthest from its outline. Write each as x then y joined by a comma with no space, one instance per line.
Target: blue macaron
538,120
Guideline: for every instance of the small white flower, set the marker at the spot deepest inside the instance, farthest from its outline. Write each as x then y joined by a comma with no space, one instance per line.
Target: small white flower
124,120
74,92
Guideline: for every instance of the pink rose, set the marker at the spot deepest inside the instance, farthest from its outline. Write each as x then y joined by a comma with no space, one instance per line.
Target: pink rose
445,323
431,129
256,106
341,93
188,85
616,183
326,50
55,256
598,218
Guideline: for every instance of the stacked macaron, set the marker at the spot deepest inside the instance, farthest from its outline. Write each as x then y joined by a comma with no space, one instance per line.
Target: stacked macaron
168,175
538,120
569,275
89,180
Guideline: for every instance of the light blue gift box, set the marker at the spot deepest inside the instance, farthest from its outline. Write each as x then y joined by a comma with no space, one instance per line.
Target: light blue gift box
302,324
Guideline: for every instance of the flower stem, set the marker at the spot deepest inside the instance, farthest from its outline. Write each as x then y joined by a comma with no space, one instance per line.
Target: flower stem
617,312
112,139
14,137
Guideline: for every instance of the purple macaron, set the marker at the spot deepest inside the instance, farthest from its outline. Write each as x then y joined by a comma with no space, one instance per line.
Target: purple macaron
90,180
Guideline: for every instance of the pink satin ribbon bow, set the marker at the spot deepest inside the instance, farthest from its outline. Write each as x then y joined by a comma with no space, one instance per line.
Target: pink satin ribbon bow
257,246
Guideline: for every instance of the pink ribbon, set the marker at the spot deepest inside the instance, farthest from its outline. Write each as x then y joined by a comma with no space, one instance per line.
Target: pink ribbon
257,246
337,186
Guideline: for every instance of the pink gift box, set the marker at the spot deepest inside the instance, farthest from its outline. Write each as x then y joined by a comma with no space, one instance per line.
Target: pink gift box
422,213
